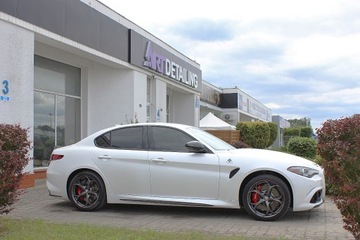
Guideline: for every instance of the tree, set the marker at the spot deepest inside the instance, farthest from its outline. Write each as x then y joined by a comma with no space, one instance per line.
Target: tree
302,122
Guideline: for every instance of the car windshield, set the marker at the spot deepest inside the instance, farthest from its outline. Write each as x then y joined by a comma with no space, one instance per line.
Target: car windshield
209,139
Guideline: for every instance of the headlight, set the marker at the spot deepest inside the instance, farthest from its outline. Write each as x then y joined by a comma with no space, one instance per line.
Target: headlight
303,171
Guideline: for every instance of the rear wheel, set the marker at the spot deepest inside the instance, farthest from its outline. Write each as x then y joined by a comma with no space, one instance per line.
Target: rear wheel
266,198
87,191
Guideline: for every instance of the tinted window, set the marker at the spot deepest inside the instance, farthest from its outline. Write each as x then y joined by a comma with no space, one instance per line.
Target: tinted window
168,139
103,140
124,138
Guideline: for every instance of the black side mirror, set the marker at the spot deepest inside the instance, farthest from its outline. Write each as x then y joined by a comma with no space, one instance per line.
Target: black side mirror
196,147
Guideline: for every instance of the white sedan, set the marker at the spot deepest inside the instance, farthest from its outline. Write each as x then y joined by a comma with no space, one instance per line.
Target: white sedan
180,165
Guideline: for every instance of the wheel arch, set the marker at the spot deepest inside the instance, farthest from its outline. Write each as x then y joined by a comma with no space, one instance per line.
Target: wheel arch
71,176
263,172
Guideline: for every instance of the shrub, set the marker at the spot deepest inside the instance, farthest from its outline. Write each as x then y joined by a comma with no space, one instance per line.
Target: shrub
255,134
239,144
306,132
273,133
14,148
292,132
302,146
339,146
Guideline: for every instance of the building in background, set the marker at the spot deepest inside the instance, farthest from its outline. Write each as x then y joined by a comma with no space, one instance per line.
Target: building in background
282,124
232,105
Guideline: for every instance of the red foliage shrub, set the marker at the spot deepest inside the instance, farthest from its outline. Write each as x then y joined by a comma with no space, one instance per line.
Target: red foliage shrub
339,145
14,148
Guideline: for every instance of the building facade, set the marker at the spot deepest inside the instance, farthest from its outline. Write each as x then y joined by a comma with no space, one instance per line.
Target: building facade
69,68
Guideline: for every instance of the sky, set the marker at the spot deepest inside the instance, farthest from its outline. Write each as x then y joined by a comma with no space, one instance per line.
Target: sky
300,58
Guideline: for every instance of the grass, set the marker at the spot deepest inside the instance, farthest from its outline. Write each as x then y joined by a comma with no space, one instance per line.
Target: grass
41,230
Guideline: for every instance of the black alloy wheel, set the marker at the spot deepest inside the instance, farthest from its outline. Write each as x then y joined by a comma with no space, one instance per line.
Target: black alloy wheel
87,191
266,198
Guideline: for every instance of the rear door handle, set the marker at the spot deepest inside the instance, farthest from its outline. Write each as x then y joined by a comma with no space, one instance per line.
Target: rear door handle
159,160
104,157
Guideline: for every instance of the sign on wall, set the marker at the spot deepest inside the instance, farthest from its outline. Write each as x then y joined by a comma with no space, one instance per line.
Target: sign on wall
150,56
5,89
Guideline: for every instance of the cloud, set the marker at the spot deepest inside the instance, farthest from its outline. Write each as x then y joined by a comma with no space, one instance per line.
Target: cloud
204,30
301,58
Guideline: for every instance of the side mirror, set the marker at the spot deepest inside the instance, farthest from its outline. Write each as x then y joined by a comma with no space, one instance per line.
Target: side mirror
196,147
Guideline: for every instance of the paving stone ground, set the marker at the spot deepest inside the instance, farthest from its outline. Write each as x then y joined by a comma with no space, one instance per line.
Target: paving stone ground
324,222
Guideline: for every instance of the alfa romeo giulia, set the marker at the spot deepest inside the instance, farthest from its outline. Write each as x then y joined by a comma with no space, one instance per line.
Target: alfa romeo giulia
180,165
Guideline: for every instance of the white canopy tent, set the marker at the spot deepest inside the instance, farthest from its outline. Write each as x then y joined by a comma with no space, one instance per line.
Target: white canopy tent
211,122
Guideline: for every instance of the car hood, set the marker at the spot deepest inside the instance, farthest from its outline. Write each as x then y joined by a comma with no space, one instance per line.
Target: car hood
270,157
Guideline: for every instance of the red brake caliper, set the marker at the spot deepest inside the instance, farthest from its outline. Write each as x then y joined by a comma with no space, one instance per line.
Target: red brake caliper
255,196
78,192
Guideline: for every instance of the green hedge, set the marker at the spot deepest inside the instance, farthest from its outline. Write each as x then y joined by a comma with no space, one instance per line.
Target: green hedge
302,146
297,132
256,134
273,133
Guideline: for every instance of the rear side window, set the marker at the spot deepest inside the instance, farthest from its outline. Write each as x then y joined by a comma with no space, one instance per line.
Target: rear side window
123,138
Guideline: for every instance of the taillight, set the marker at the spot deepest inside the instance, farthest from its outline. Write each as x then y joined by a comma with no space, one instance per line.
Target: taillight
56,157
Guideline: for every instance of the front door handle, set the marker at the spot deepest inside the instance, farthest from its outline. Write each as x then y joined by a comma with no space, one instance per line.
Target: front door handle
159,160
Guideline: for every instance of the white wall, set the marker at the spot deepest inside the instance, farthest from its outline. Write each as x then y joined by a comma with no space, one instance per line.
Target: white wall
183,108
17,67
160,101
114,97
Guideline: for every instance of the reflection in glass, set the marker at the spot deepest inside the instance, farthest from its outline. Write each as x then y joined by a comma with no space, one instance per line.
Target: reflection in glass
44,131
68,120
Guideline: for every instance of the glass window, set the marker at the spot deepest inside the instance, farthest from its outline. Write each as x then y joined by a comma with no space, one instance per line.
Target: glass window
44,131
123,138
56,108
68,119
169,139
56,77
103,141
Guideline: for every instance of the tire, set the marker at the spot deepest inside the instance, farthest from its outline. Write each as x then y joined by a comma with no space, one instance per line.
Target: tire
266,198
87,191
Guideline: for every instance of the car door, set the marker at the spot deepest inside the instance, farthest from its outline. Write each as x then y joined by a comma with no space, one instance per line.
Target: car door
121,155
178,173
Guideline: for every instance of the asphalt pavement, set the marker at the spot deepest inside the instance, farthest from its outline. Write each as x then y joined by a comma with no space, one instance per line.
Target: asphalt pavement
324,222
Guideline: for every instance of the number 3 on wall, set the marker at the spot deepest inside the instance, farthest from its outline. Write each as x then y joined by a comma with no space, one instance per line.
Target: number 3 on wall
5,89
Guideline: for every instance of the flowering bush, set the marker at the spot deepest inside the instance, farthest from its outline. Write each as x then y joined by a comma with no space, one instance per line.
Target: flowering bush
339,146
14,148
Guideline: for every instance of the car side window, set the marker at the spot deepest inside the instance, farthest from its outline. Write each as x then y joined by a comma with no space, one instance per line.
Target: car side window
103,140
130,138
169,139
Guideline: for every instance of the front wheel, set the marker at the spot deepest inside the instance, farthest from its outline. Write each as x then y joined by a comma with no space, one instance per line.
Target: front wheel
87,191
266,198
